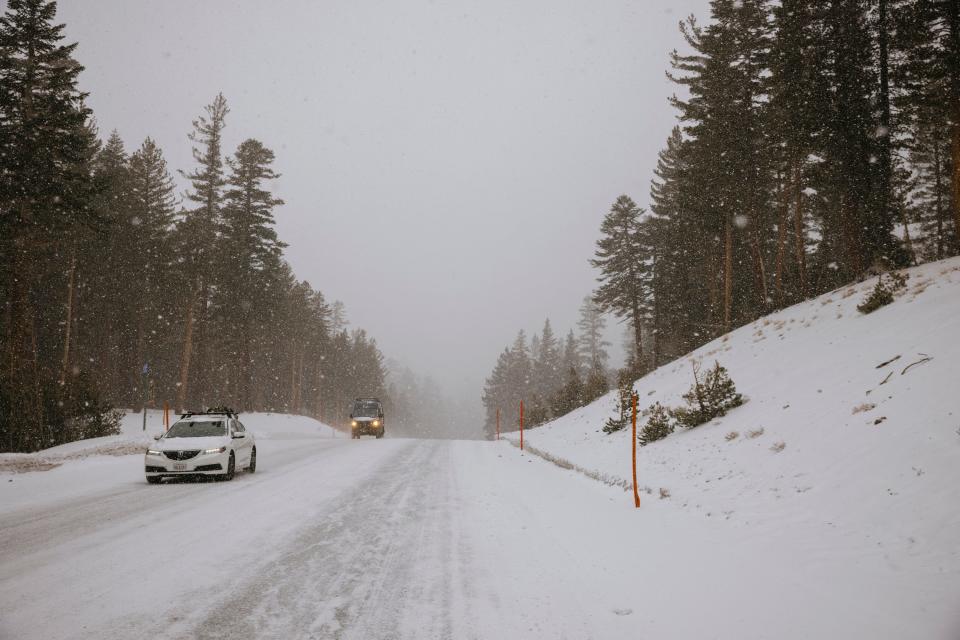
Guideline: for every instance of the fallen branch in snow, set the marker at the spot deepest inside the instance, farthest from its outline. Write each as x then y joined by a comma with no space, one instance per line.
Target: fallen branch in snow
883,364
888,376
913,364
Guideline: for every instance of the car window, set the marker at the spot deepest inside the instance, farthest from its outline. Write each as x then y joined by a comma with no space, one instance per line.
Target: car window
197,429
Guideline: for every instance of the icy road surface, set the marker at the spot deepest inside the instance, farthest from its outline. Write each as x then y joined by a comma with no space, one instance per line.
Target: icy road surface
402,539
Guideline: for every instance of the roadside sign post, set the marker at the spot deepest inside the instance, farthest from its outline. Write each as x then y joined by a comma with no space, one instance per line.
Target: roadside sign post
636,492
498,423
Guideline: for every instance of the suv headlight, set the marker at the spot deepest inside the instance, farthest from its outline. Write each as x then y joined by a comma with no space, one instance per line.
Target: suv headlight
217,450
154,452
353,423
376,423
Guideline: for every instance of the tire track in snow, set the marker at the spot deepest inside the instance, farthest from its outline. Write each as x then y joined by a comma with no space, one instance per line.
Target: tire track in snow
377,565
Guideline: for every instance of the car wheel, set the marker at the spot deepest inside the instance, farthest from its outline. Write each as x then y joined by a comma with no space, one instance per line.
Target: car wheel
153,479
380,434
231,468
253,461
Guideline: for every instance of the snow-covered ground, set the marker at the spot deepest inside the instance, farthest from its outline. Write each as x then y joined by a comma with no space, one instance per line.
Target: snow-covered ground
847,454
850,530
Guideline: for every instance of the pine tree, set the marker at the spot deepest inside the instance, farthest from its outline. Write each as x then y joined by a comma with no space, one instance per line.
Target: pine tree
45,193
624,405
148,245
196,238
590,342
249,269
681,321
658,426
495,391
709,398
624,260
547,372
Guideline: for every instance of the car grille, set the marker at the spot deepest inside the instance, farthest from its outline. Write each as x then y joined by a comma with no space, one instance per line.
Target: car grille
181,455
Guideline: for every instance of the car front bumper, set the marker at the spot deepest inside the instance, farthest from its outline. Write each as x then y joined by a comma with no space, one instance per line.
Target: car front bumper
367,429
209,464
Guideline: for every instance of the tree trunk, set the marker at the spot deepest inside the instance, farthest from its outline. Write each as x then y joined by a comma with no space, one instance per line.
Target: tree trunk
637,334
186,353
938,172
885,134
799,234
38,390
65,365
727,275
244,377
780,262
953,56
760,273
906,235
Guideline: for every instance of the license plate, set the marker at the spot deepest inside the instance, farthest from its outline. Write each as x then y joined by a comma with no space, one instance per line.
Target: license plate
179,466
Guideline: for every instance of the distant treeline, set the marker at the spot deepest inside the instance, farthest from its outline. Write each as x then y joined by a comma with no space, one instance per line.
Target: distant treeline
115,292
819,143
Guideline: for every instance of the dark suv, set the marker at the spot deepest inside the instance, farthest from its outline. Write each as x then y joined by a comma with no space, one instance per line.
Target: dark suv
366,418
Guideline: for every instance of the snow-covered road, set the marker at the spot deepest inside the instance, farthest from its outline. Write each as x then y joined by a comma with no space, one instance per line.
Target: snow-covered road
402,538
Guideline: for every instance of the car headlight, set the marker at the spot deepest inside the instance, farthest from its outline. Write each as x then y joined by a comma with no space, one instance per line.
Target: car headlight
353,423
154,452
217,450
376,423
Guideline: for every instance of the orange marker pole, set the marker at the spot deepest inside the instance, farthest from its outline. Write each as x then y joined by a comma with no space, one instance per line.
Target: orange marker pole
498,423
521,425
636,493
166,415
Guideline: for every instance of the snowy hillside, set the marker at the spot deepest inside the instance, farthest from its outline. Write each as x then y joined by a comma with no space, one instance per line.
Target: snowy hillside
847,450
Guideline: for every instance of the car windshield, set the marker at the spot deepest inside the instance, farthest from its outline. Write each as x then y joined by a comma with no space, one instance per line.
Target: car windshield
366,410
197,429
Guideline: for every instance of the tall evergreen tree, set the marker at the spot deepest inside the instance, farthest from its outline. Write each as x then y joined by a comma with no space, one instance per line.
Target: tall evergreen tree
45,194
624,260
590,342
249,269
197,235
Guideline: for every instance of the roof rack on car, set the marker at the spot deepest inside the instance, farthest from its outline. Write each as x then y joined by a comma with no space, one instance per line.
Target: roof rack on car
212,411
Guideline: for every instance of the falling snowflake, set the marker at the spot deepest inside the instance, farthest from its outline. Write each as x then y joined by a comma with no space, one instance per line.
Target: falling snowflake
741,221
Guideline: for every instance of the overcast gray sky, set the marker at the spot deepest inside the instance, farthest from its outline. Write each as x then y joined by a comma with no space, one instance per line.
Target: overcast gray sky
446,165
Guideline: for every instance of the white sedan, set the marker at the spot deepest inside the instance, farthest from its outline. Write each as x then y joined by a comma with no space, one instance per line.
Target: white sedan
207,444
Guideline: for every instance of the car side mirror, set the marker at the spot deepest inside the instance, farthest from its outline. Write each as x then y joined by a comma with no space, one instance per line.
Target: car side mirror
238,435
157,437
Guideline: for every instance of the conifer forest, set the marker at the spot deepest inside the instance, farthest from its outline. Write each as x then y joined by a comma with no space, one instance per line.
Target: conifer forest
817,144
118,292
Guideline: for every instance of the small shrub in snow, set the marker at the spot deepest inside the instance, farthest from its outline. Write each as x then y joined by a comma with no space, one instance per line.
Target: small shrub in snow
755,433
664,493
709,399
866,406
659,425
733,435
624,403
882,293
778,447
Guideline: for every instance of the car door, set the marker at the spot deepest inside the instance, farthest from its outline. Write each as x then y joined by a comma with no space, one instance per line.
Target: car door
240,449
247,442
